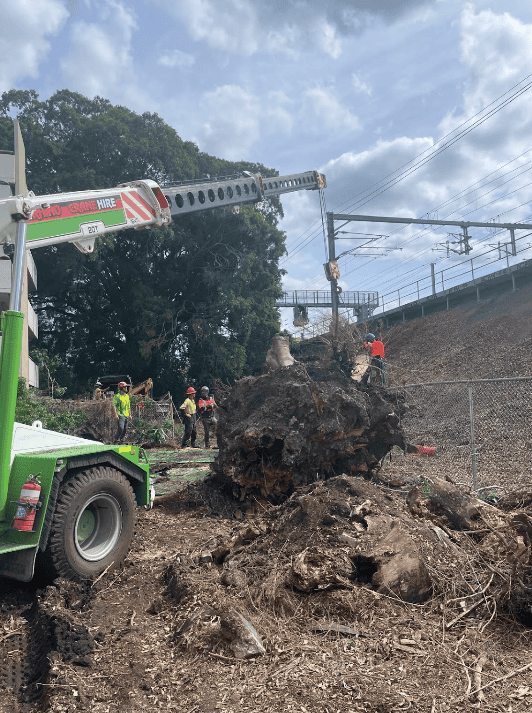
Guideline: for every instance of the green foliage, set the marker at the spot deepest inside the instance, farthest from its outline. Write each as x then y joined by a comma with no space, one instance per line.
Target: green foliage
30,408
426,488
48,364
189,303
146,432
488,494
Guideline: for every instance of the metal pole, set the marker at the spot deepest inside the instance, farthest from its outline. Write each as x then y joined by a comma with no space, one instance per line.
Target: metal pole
512,240
12,325
472,271
433,277
473,448
465,237
334,283
19,259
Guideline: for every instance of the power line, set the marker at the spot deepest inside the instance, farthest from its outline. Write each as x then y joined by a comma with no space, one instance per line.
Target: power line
386,186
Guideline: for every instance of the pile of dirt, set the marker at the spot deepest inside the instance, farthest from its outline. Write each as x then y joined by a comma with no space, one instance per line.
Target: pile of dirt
334,544
301,423
489,339
297,609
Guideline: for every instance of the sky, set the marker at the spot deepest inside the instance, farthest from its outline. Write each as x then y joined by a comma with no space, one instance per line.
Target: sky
411,108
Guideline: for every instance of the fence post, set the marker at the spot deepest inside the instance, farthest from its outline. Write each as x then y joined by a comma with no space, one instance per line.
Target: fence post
474,486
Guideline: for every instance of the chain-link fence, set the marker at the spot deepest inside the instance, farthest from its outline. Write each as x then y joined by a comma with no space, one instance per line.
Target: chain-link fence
481,429
153,420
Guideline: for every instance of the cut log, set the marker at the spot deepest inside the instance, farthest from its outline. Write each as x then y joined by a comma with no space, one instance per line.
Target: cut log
443,500
279,353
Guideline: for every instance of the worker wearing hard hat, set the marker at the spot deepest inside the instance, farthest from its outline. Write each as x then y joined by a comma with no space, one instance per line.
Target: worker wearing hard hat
121,405
206,406
188,409
376,349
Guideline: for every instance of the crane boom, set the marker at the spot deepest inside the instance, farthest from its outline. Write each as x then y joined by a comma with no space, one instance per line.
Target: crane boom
34,459
248,188
82,216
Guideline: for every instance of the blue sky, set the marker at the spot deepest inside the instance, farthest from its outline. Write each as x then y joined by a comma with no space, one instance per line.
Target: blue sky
354,88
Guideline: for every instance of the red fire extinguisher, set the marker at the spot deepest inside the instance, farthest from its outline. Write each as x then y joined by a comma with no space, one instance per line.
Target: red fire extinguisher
27,505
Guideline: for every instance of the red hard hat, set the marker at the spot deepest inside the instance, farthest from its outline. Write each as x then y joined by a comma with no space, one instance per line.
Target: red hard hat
191,390
122,383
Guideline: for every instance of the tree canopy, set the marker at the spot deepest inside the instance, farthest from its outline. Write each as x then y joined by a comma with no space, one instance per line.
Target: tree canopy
185,304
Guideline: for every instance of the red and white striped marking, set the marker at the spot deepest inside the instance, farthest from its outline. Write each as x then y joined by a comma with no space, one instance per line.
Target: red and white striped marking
136,207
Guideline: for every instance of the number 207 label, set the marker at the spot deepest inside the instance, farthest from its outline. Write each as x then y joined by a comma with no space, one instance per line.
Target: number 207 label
91,229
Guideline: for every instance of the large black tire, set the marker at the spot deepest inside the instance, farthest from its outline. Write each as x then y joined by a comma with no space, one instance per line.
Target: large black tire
93,523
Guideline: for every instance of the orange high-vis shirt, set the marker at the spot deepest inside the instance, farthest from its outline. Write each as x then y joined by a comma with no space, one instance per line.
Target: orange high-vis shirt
377,348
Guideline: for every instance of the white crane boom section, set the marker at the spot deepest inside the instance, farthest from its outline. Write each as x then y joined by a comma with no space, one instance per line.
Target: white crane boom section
82,216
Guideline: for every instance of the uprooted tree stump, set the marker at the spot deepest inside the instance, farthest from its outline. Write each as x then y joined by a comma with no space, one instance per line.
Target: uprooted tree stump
300,423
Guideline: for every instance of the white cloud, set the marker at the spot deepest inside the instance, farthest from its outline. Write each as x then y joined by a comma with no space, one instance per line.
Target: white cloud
360,86
100,60
248,27
236,117
176,58
231,26
327,39
24,27
327,108
497,53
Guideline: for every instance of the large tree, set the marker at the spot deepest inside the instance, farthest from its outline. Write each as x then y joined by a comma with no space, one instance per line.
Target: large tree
185,304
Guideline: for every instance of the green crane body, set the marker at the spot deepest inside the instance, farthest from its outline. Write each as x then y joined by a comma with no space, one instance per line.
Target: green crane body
84,519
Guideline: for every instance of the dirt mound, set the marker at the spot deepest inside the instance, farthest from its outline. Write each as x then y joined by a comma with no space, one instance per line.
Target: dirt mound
334,545
292,426
492,338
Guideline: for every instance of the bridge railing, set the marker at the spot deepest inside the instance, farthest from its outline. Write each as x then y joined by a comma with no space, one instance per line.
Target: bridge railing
322,298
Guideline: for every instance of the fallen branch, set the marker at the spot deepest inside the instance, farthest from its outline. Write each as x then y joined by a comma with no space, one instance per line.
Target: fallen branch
502,678
464,613
477,678
11,633
103,573
474,594
340,629
468,689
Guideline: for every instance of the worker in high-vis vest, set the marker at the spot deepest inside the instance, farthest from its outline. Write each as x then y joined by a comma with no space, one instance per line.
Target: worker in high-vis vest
188,409
376,349
207,416
121,404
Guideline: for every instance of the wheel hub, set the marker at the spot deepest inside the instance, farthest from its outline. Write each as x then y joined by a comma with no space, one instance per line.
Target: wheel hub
98,527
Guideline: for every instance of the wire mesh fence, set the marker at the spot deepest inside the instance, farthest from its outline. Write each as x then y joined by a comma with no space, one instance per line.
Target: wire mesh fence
152,420
481,429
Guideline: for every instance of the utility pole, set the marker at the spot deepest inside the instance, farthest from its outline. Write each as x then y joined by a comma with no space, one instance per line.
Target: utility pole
433,277
334,281
331,268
